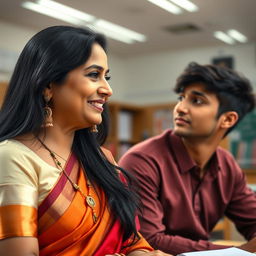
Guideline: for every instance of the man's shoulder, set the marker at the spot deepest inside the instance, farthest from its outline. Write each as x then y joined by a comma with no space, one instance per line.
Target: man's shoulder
227,162
224,154
152,145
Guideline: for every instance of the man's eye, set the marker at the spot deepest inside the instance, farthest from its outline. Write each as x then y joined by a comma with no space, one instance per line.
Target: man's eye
198,101
180,98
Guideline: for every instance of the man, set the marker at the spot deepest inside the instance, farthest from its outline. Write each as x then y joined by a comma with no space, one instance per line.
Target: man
186,182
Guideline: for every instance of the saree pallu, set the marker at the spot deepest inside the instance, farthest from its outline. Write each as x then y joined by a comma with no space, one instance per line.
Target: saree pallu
65,223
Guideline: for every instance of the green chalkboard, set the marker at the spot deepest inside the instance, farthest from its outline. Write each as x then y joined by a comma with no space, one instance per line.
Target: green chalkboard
243,141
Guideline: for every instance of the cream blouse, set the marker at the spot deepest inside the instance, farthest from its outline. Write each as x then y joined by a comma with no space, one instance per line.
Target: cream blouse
25,179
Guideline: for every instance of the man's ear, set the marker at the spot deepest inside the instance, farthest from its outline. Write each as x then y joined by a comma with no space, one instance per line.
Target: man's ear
229,119
48,92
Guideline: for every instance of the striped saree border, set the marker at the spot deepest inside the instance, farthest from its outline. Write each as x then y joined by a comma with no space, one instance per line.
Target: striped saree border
55,192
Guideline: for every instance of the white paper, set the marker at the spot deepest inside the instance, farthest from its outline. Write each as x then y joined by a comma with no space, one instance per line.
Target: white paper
222,252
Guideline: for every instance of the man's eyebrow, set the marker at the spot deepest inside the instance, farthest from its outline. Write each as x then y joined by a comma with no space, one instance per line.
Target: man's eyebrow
199,94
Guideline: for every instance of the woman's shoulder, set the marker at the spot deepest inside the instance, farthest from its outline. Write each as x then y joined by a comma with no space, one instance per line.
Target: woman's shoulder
13,149
108,155
16,157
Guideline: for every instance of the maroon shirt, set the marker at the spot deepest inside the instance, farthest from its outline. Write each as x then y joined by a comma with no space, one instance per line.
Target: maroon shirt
180,209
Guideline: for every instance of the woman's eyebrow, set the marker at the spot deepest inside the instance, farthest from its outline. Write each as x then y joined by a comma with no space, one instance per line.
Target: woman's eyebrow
96,67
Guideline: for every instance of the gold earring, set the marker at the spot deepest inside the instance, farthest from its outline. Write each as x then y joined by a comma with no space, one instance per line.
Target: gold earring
94,128
48,121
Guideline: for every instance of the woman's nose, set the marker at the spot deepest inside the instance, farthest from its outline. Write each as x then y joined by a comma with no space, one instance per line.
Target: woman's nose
105,89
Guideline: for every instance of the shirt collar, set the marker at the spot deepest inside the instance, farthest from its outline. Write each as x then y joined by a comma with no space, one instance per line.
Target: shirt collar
184,161
181,155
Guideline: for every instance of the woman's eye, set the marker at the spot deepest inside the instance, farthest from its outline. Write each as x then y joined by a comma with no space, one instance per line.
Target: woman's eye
107,77
93,74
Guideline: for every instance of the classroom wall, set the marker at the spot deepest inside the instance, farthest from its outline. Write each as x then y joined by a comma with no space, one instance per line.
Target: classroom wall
142,79
152,77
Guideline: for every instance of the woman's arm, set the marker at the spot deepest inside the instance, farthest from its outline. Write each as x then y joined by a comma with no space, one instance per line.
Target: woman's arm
19,246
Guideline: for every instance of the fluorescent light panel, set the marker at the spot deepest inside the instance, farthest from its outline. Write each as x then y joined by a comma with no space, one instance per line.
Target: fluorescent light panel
237,36
224,37
119,30
75,17
185,4
66,10
52,13
166,5
112,34
230,37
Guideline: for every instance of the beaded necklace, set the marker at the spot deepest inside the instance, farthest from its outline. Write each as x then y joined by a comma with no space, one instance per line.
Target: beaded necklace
90,201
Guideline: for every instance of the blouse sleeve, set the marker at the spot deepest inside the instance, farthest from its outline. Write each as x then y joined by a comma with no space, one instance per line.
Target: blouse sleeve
18,193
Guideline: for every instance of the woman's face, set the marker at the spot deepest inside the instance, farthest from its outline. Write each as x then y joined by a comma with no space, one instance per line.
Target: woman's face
78,102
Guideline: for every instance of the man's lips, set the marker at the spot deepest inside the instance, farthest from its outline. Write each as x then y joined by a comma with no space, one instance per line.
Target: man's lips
179,120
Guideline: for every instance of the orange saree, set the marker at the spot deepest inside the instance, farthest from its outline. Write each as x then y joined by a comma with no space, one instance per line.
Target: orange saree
65,223
30,206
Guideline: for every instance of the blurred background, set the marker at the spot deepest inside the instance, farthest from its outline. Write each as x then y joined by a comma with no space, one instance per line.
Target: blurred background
150,43
143,69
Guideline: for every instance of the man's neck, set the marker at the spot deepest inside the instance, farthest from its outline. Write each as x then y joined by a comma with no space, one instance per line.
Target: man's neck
201,150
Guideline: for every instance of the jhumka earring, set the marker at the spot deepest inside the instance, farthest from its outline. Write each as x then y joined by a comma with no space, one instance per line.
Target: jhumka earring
94,128
48,121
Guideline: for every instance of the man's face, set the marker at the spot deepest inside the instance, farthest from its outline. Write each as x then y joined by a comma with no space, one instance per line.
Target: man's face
195,115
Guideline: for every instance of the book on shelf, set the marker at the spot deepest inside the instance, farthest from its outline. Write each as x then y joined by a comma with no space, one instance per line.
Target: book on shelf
162,120
125,125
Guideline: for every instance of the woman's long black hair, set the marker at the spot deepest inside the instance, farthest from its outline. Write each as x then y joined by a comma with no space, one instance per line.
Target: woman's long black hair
47,58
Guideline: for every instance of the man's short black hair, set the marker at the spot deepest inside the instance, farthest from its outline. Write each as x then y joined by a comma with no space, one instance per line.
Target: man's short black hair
233,90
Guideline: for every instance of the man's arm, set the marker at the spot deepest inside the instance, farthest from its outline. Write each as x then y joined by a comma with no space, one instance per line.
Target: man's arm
152,226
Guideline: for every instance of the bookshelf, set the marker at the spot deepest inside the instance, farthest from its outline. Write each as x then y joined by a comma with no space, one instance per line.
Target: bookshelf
158,117
3,87
126,127
243,142
131,124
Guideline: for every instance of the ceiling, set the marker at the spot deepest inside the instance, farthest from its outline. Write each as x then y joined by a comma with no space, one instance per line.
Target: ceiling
150,20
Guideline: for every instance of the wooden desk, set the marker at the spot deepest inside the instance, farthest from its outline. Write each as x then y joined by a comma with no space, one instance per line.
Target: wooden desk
228,242
224,226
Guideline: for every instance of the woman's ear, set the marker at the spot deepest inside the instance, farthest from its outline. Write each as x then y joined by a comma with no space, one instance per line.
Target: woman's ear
48,92
229,119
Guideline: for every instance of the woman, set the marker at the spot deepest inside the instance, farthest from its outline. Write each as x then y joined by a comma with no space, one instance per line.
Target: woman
60,192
